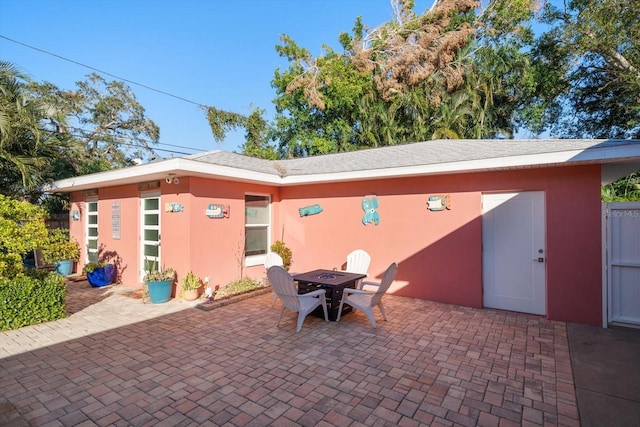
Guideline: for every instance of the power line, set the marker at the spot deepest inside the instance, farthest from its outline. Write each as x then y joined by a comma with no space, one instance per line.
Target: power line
82,133
123,79
104,72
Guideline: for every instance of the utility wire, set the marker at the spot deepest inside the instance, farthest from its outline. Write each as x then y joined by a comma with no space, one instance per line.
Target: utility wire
104,72
123,79
82,133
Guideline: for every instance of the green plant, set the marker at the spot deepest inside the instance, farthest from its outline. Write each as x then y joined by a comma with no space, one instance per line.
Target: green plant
190,282
90,267
31,298
59,247
285,253
22,229
155,274
237,287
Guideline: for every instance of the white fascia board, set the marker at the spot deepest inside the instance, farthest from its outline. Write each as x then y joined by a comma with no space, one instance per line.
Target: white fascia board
158,170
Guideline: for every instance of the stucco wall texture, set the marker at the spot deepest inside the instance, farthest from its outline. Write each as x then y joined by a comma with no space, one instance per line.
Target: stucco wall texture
439,253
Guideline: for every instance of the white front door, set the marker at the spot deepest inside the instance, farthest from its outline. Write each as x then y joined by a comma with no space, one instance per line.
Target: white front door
149,233
514,253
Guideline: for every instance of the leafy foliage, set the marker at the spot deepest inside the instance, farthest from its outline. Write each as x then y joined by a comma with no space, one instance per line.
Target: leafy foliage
47,133
285,253
623,190
222,122
445,73
155,273
91,266
60,247
593,50
237,287
22,229
104,120
30,299
27,152
257,137
190,282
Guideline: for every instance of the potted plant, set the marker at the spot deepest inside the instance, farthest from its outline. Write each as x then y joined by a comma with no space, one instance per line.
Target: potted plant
60,251
99,273
285,253
190,285
159,282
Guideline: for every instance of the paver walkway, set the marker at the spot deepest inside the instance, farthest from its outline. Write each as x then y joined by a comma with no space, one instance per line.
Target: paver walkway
116,361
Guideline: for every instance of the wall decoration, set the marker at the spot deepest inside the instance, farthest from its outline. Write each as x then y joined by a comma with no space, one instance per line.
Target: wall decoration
369,205
75,215
173,207
310,210
115,221
217,211
439,203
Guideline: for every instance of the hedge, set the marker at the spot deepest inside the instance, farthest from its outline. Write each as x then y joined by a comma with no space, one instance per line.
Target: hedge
31,297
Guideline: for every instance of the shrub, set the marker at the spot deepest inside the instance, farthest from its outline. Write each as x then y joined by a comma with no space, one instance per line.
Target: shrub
91,266
27,299
59,247
285,253
22,229
241,286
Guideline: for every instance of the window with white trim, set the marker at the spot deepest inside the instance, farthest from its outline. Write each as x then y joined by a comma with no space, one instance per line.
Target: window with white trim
91,231
257,219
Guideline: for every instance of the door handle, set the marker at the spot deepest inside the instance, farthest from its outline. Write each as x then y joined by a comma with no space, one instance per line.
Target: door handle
541,259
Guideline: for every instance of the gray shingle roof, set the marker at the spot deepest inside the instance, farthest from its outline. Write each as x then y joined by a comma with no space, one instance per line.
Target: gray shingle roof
422,158
417,154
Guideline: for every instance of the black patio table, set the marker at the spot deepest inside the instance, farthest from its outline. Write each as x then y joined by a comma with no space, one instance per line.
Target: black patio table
333,282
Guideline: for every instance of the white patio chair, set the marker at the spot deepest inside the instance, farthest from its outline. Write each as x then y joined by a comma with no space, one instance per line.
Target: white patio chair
283,286
365,300
358,262
270,260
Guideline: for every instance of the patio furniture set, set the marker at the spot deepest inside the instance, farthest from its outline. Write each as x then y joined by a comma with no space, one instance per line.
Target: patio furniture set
331,293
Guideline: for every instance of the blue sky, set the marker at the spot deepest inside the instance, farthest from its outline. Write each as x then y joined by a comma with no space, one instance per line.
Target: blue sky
211,52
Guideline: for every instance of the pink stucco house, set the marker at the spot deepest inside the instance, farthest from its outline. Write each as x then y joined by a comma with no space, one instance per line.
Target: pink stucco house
507,224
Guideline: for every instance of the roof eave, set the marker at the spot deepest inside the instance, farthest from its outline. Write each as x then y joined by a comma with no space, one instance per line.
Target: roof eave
186,167
564,158
158,171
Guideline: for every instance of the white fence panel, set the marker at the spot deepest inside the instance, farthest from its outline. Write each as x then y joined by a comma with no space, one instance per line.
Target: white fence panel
623,262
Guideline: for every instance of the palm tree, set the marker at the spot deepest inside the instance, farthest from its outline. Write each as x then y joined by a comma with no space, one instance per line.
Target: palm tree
24,152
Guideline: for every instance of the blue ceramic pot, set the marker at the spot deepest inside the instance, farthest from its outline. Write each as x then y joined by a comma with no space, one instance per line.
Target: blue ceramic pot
160,292
64,267
102,276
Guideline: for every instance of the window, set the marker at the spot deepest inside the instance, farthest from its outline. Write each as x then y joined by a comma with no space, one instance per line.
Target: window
150,232
257,220
92,230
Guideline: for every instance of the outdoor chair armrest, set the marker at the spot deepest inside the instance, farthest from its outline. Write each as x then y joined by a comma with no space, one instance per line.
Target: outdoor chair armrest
367,283
315,293
356,291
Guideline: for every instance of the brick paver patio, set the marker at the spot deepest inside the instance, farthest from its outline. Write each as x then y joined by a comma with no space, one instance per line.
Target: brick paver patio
116,361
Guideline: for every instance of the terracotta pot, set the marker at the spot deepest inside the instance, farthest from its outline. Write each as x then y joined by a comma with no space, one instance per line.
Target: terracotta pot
190,295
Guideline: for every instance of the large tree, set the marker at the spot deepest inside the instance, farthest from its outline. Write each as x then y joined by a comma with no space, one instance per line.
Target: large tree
47,133
457,70
26,149
592,65
104,118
